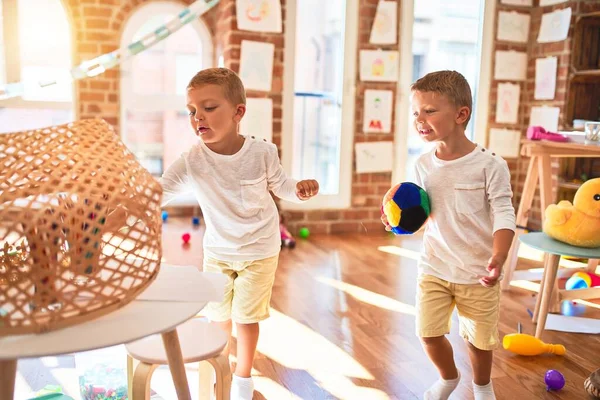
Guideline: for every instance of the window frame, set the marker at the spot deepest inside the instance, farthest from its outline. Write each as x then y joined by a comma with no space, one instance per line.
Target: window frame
343,198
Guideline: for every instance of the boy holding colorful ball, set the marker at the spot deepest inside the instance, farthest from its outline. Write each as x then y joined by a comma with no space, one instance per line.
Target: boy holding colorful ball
467,235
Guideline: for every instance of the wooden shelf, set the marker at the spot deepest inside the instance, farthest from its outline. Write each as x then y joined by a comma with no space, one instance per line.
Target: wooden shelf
568,185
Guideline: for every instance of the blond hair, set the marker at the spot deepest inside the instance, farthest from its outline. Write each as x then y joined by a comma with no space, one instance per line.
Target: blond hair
232,85
450,84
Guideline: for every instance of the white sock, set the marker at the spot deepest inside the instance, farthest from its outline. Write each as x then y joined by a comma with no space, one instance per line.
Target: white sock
241,388
442,389
485,392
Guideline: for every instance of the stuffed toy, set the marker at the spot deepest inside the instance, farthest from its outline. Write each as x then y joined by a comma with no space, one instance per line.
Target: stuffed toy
592,385
406,207
577,224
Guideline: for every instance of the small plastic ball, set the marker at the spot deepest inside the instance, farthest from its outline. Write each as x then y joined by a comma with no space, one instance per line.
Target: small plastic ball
576,282
585,276
554,380
186,237
195,221
164,215
304,233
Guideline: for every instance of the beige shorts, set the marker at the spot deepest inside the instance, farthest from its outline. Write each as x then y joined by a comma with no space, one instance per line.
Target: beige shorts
478,310
247,291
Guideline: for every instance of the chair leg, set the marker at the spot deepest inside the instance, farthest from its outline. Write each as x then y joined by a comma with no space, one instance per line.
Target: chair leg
223,375
206,389
129,377
549,278
538,300
592,265
141,381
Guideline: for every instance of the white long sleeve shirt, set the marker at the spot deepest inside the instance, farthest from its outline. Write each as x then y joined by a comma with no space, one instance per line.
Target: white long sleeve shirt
470,200
242,222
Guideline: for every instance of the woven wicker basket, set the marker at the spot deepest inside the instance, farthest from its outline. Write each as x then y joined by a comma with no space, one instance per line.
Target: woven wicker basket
80,230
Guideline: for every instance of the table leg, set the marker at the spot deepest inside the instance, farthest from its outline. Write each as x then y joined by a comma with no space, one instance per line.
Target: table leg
522,217
175,359
545,172
549,278
8,374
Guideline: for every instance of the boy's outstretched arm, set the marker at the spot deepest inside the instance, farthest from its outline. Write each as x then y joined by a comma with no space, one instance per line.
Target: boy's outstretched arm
287,188
174,180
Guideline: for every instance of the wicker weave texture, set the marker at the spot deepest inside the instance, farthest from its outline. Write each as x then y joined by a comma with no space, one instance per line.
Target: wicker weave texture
80,228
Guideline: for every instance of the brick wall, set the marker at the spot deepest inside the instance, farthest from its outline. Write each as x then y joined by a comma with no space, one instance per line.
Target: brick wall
96,27
562,50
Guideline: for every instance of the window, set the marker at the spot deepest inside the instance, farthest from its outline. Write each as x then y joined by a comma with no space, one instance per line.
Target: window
318,119
458,46
154,119
30,57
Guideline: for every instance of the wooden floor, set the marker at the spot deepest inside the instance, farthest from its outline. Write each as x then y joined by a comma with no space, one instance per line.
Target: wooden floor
342,326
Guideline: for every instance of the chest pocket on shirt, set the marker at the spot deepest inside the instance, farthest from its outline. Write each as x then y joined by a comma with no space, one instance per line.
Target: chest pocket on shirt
254,192
469,198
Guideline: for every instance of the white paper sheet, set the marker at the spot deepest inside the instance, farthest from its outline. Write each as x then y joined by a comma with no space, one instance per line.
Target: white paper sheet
551,2
507,104
546,117
258,15
562,323
513,27
518,2
545,78
256,65
385,24
258,120
374,156
555,26
510,66
378,111
505,142
379,65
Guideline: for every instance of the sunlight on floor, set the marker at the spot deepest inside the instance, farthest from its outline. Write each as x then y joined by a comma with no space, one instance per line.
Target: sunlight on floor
366,296
400,251
295,346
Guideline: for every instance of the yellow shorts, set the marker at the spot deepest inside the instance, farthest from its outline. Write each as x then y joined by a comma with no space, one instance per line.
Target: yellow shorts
478,310
247,291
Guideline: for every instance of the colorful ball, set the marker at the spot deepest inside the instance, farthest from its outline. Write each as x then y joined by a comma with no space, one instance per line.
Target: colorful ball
195,221
576,282
406,207
186,237
585,276
164,215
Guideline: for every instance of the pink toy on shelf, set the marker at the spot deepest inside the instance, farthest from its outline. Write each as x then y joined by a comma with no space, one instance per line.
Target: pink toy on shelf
539,133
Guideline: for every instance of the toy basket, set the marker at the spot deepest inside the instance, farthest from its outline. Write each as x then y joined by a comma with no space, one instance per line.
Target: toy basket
80,230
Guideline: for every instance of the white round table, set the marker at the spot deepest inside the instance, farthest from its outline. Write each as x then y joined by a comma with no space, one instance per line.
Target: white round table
176,295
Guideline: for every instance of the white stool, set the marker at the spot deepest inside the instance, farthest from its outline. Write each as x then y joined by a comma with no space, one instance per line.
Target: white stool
200,341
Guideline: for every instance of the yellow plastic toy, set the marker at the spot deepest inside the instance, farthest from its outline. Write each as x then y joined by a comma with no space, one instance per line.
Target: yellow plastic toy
527,345
577,224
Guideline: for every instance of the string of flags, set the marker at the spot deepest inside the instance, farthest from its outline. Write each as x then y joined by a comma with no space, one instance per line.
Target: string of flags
100,64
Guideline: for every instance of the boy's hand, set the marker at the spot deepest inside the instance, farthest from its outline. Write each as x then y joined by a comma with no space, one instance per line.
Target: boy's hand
385,222
494,268
307,189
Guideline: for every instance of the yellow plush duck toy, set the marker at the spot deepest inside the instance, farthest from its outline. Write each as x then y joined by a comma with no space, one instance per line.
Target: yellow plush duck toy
577,224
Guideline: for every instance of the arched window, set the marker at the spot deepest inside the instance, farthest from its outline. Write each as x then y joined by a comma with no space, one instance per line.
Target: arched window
30,57
154,119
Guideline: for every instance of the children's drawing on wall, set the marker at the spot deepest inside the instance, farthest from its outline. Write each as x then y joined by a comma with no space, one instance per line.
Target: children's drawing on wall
258,120
513,27
374,156
507,104
378,111
518,2
510,65
256,65
555,26
378,65
505,142
385,23
545,78
259,15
